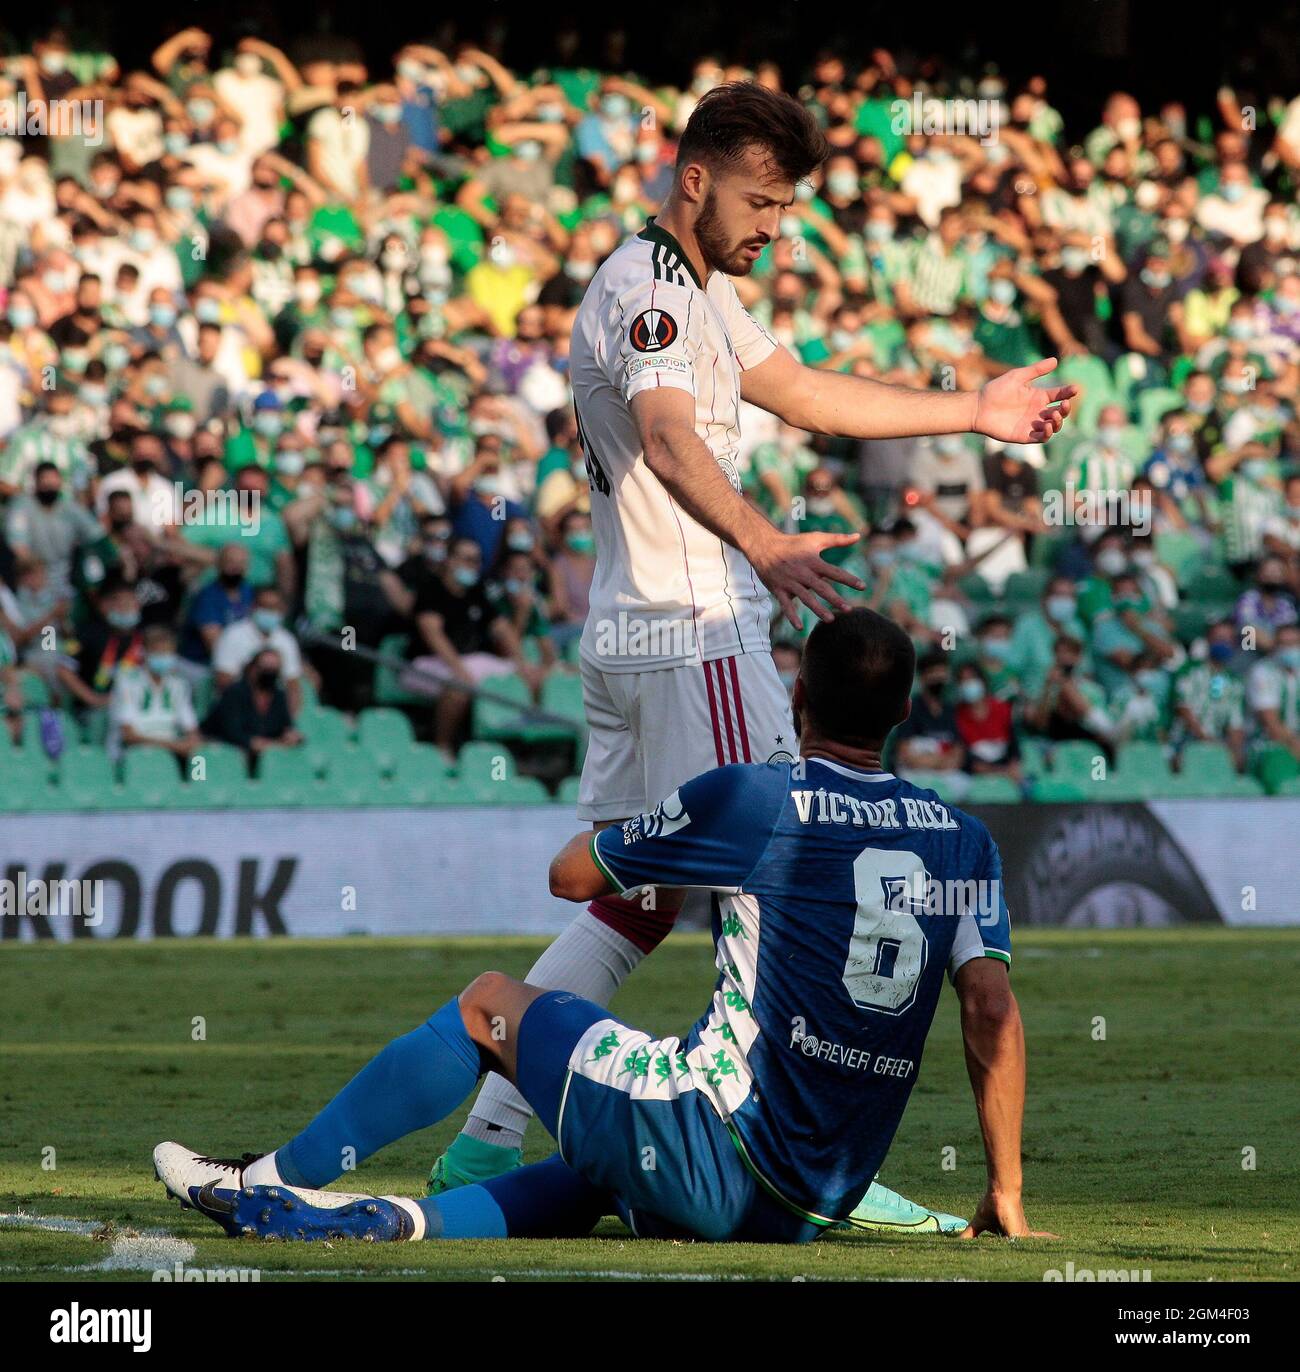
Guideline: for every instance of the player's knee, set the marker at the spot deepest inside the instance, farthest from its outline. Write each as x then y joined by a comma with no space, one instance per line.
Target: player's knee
482,1003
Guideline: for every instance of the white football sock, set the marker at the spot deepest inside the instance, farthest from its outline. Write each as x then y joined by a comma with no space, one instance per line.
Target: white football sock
592,961
263,1172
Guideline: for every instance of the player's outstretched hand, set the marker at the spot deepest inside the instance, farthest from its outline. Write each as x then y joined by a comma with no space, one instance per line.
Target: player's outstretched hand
791,566
1001,1214
1013,409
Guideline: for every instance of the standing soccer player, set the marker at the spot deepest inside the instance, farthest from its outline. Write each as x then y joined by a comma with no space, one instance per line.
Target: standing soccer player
676,654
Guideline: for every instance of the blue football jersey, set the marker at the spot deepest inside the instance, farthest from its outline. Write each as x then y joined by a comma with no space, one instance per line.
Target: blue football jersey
843,898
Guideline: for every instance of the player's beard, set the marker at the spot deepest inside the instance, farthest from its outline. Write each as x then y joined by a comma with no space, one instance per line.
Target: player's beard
720,254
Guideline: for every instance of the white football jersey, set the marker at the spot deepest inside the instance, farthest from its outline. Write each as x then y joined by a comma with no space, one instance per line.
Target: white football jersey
667,592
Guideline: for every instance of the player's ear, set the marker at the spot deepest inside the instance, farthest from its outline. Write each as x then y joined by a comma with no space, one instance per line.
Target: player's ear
694,182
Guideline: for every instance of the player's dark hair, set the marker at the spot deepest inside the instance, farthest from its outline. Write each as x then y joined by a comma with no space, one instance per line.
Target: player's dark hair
857,677
739,115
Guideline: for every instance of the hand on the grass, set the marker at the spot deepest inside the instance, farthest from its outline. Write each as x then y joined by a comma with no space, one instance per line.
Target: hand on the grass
792,568
1003,1214
1011,408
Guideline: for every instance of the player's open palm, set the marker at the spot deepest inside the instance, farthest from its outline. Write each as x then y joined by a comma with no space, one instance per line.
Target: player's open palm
1013,409
1003,1215
791,566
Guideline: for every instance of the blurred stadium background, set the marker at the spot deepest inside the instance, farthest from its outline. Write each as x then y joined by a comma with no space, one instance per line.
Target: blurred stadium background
334,275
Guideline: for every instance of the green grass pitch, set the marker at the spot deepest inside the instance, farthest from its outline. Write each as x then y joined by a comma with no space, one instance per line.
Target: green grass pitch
1161,1065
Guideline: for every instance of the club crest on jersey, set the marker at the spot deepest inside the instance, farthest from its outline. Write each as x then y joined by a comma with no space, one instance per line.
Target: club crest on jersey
652,331
666,818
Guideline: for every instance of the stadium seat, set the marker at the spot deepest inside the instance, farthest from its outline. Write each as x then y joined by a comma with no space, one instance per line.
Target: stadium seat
1033,757
484,761
1076,762
1274,766
36,694
324,727
992,791
503,718
1290,787
1049,790
568,791
385,734
422,764
1190,620
388,687
94,727
1211,584
1153,405
30,791
150,778
1206,762
515,790
1025,589
1181,551
87,784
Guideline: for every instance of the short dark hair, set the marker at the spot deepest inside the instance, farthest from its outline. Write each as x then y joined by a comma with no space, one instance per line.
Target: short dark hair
857,676
739,115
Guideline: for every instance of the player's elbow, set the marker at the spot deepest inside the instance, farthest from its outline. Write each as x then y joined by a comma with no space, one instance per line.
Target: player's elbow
989,1009
565,880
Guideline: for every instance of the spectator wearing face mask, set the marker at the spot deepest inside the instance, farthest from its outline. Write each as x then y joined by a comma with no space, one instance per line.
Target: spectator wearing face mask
573,568
1129,627
1273,692
242,639
425,559
1269,605
46,525
949,470
1176,475
1149,309
151,705
827,508
1141,704
253,712
52,436
226,598
984,725
459,637
928,740
111,640
994,658
479,504
1249,496
1035,632
155,502
515,592
1282,530
1210,698
1071,705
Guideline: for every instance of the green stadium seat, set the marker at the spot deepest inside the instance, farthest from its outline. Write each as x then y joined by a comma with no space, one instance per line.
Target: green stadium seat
562,695
1153,405
422,765
484,761
385,734
1181,551
1033,757
36,693
1190,620
224,766
515,790
1089,373
1141,761
1025,589
1049,790
1274,766
388,687
1076,762
497,719
83,769
150,778
1211,584
1206,762
568,792
94,727
992,791
203,693
1290,787
324,727
978,590
31,791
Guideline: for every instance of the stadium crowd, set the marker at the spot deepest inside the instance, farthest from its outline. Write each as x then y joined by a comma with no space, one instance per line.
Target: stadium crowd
283,375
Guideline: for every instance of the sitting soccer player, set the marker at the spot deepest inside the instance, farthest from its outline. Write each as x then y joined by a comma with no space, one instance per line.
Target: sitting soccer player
769,1121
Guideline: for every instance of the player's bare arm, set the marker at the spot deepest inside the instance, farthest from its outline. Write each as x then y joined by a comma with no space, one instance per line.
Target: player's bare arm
1010,407
995,1061
790,565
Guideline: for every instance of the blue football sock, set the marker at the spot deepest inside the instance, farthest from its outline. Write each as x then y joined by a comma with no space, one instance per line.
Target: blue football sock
543,1201
414,1082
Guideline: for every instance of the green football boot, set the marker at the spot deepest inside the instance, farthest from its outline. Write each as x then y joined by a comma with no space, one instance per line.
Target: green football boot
885,1211
470,1161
